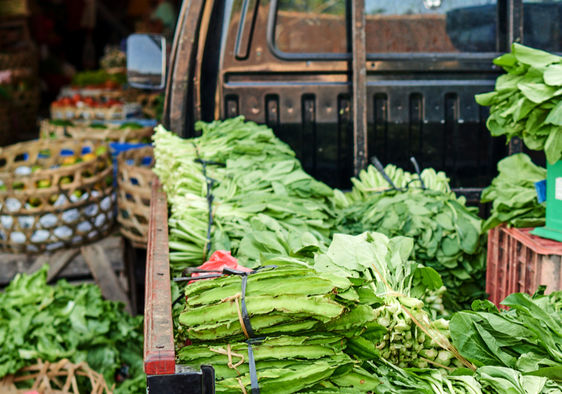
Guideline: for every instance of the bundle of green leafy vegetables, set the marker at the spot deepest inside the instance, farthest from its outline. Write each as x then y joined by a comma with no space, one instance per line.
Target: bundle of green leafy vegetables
370,182
392,286
240,178
513,195
527,337
527,101
358,306
284,364
447,236
302,329
39,321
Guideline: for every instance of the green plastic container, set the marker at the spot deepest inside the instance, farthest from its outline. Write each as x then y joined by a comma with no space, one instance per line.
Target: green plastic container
553,228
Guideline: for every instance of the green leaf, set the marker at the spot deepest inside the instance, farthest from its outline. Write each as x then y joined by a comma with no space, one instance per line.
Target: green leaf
533,57
553,75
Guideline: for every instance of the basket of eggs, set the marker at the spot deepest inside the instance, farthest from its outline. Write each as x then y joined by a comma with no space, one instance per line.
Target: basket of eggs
55,194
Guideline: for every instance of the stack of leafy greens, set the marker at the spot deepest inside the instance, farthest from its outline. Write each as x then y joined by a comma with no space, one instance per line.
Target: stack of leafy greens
527,338
527,101
513,196
303,329
240,178
447,236
38,321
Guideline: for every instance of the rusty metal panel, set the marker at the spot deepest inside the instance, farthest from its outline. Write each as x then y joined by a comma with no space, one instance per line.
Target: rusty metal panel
159,354
177,95
359,79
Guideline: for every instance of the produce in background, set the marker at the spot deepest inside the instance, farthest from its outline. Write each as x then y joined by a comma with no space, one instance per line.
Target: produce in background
447,236
38,321
240,178
98,79
513,194
527,101
527,337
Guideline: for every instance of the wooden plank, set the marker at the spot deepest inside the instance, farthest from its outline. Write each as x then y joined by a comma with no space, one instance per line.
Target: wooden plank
11,264
159,353
57,261
359,83
103,274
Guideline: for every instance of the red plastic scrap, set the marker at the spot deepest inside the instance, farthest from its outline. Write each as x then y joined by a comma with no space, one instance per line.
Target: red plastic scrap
219,260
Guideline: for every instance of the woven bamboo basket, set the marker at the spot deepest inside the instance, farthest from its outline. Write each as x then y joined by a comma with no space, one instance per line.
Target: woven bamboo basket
53,378
134,179
116,112
112,133
49,199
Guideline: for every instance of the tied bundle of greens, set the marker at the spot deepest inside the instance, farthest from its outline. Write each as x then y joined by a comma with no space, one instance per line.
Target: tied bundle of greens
513,195
387,281
527,101
238,178
370,181
38,321
301,330
284,364
527,338
277,303
447,236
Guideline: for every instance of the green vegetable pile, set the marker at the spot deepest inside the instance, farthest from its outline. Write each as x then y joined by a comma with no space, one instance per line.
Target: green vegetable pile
527,101
345,309
357,306
513,196
447,236
38,321
241,178
527,338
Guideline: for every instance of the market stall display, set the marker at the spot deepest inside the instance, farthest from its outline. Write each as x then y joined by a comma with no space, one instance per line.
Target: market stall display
88,108
387,376
54,194
222,190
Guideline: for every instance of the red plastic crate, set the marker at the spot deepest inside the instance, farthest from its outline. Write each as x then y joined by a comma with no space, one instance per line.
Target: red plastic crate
519,262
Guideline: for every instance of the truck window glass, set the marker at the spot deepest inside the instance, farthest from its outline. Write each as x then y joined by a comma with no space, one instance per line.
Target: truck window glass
542,21
311,26
430,26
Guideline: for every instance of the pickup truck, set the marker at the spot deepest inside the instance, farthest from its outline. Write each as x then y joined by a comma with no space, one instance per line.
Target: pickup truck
341,82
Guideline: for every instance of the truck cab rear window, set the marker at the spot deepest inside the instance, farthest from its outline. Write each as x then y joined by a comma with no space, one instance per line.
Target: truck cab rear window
311,26
405,26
